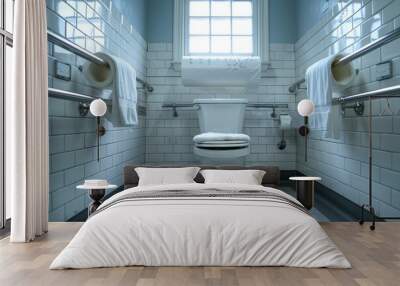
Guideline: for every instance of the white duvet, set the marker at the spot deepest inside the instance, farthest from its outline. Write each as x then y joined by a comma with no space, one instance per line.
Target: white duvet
200,231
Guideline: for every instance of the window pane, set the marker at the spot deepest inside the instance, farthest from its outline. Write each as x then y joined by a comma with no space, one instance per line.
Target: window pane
9,14
221,44
199,44
242,8
242,26
220,26
220,8
199,26
242,45
199,8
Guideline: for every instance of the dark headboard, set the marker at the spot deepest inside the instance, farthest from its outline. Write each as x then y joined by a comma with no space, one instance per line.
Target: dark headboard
271,177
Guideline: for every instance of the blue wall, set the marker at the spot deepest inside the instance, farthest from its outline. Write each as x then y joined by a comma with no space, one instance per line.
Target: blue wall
160,21
308,14
282,21
135,11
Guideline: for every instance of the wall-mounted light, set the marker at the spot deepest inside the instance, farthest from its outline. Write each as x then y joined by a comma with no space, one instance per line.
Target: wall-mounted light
98,108
305,108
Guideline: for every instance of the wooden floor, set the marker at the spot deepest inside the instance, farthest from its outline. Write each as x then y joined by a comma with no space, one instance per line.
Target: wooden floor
375,257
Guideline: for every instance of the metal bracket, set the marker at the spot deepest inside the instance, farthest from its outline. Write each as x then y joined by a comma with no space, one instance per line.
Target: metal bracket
358,108
174,112
273,114
83,109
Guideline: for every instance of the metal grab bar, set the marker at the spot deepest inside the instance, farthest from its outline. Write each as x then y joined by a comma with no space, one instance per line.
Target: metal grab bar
274,106
72,47
62,94
358,53
84,100
251,105
393,91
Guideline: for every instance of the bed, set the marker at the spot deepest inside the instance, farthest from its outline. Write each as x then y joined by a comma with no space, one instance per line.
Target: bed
199,224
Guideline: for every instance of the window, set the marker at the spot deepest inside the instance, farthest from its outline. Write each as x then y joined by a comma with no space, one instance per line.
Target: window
220,28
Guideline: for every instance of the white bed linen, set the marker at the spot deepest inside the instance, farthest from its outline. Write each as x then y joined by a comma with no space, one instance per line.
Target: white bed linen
202,232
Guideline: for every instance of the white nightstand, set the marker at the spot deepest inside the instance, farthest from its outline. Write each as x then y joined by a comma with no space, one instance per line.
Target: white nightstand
305,188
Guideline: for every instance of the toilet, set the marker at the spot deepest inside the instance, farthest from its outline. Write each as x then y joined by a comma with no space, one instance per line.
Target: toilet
221,126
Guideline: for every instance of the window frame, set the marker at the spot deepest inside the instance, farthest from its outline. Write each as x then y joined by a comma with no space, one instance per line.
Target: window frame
254,34
260,29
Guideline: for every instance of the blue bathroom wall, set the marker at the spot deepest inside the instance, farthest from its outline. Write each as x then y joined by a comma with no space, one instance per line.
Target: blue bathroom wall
160,21
98,26
282,21
307,14
343,163
282,15
135,11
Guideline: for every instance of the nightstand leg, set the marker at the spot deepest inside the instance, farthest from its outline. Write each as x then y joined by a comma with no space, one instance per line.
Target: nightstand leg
305,193
96,196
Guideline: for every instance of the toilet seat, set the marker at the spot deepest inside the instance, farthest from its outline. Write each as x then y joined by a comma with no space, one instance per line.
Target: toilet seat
222,144
220,137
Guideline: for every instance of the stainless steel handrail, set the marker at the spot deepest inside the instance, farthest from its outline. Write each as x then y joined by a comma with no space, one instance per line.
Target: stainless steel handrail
393,91
72,47
62,94
358,53
251,105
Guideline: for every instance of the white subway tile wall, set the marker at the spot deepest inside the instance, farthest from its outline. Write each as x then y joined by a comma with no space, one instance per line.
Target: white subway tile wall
99,27
169,138
343,164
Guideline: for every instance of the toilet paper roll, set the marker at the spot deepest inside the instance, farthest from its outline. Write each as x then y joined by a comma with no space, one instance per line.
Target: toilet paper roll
285,121
100,76
342,76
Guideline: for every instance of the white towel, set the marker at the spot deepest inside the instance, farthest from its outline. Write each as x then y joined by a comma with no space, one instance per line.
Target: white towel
218,137
220,71
122,76
321,84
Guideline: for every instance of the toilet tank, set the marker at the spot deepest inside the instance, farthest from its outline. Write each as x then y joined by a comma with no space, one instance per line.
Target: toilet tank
221,115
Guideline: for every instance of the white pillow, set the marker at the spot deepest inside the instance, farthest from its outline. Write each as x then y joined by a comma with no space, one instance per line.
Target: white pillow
247,177
166,176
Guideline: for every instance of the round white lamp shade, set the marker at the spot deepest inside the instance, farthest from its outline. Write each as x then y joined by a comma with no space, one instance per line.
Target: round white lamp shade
305,107
98,107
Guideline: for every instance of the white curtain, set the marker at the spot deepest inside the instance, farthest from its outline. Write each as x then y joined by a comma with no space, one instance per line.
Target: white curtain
27,124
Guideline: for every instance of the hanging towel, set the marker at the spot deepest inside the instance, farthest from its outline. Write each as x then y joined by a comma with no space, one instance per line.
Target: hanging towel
122,77
322,83
220,71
